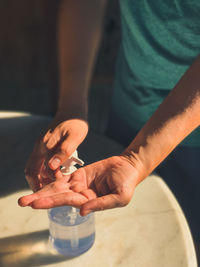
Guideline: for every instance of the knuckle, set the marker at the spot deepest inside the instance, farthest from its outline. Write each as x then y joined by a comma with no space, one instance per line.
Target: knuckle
124,201
65,151
101,203
125,195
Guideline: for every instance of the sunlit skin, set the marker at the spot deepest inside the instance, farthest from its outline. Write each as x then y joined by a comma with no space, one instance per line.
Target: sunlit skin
102,185
58,144
111,182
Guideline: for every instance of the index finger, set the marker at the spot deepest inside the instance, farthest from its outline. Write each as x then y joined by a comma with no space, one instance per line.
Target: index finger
47,191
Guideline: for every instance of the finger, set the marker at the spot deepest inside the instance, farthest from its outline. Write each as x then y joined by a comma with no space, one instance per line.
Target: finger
49,190
49,175
77,187
52,138
47,136
101,203
46,172
26,200
89,194
59,175
65,150
63,199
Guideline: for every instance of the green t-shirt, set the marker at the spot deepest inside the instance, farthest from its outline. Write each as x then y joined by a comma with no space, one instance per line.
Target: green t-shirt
160,40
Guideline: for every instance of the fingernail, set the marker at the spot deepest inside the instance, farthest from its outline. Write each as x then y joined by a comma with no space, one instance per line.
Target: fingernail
55,163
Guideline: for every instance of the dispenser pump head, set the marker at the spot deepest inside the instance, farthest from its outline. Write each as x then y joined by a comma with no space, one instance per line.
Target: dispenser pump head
69,165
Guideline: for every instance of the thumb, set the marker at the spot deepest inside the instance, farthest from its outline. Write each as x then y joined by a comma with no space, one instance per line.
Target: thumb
101,203
63,152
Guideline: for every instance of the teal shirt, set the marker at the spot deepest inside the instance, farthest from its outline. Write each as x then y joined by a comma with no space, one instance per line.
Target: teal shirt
160,40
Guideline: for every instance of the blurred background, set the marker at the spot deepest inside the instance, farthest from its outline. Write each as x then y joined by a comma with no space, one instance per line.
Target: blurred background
28,59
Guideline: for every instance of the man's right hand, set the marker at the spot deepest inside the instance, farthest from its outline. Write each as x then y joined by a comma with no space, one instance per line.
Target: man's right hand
52,149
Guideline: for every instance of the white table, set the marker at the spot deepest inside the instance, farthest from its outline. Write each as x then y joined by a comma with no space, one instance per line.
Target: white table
150,232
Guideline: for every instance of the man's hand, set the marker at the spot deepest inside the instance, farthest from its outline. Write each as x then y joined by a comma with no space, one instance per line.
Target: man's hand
51,150
102,185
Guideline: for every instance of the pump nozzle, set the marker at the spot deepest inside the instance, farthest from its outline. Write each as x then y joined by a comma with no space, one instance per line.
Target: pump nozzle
69,165
67,168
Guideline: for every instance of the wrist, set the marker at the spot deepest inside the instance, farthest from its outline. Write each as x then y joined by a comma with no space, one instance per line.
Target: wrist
127,167
134,159
66,121
63,114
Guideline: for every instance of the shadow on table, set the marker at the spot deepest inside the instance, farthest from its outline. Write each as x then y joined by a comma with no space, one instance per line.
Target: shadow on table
17,138
31,250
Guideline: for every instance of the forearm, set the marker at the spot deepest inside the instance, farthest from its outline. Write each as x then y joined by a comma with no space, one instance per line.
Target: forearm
79,32
175,118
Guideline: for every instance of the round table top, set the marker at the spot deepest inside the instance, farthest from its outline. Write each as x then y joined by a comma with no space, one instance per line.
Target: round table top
150,232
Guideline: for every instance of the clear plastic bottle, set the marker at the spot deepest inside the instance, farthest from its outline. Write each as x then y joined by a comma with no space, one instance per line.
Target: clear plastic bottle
69,233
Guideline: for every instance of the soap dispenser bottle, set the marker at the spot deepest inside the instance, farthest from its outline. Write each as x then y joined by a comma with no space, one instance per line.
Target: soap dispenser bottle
69,233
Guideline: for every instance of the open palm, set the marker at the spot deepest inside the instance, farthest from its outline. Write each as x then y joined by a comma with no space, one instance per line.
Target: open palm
102,185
